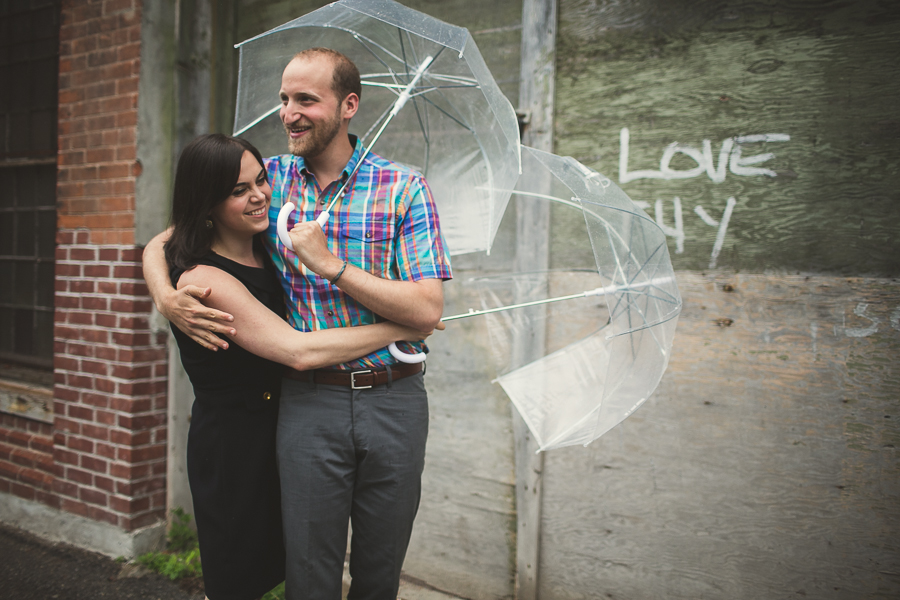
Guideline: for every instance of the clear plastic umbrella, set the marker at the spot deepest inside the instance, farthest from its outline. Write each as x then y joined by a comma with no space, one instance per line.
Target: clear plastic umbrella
608,311
447,117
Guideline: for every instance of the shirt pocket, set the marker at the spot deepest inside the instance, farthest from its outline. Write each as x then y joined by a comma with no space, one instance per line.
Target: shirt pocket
369,242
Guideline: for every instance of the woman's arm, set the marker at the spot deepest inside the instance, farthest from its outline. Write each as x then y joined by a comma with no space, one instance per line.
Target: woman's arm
263,333
182,307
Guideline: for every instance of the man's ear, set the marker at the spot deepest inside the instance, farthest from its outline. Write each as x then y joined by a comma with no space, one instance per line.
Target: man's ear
349,106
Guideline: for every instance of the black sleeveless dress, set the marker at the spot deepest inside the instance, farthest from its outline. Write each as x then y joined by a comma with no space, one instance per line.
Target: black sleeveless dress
231,452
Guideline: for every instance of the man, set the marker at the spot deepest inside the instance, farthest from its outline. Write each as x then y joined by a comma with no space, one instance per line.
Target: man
343,452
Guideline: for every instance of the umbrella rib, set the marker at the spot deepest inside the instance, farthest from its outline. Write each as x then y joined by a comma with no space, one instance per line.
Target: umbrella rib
378,121
449,116
258,119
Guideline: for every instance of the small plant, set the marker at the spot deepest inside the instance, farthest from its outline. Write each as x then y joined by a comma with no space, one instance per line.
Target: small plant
181,558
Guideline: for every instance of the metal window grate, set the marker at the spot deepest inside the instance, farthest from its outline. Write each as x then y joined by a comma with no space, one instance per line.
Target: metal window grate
29,64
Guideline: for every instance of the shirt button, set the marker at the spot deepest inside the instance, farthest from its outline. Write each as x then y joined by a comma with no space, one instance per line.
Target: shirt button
368,234
267,396
330,313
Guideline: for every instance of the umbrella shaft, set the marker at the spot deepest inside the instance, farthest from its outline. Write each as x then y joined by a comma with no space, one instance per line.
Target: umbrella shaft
475,313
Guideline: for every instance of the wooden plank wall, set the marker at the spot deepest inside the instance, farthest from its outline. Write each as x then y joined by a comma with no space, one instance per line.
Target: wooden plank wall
766,463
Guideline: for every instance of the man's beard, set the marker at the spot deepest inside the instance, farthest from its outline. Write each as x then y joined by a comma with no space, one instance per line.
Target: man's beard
316,141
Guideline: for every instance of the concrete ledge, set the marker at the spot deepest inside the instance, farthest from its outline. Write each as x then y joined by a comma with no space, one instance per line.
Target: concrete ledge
57,526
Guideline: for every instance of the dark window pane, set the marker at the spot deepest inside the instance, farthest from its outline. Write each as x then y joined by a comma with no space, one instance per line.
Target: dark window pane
43,336
45,285
45,186
5,88
19,29
43,83
6,329
7,233
7,188
24,233
23,338
6,282
17,82
19,141
23,285
46,234
43,135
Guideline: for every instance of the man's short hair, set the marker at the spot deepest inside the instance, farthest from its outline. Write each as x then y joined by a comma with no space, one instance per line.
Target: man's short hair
345,79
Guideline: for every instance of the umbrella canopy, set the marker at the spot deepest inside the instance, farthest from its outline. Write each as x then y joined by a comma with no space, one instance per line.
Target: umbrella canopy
457,128
609,331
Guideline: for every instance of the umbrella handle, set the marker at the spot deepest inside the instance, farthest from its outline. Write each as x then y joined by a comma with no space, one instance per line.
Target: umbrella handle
281,223
404,357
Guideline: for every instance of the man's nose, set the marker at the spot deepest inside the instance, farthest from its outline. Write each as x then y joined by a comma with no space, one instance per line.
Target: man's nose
291,112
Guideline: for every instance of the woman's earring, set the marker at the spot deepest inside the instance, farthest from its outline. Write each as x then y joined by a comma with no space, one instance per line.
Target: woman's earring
209,224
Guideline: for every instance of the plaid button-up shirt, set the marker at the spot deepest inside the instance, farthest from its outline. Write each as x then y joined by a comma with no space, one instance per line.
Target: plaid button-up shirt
386,224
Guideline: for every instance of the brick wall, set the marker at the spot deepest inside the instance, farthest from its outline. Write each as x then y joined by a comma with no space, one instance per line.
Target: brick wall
104,455
26,459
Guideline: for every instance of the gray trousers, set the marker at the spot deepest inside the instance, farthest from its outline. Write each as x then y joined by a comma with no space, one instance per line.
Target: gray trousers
349,455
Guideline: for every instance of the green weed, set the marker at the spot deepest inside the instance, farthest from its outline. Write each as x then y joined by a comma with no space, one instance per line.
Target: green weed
181,558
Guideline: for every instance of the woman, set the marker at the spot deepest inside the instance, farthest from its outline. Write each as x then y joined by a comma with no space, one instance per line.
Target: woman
220,204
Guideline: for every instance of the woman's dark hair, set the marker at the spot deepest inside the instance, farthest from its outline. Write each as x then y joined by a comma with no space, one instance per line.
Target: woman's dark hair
208,170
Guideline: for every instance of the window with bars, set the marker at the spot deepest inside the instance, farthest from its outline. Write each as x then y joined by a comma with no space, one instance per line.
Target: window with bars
29,64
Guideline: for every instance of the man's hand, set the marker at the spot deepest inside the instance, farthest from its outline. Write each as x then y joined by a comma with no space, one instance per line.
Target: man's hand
312,249
184,309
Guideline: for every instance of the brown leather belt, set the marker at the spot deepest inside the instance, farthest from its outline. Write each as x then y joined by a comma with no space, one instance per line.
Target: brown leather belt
357,380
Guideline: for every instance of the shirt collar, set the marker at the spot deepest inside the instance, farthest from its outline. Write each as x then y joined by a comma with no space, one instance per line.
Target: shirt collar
358,150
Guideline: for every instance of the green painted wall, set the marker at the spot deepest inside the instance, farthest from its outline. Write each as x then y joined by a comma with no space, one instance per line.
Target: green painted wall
823,73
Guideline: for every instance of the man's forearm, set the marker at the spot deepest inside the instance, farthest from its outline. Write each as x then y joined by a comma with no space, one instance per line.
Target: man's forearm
416,304
156,270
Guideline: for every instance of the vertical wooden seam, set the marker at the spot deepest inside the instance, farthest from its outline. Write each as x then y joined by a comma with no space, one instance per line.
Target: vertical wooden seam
536,92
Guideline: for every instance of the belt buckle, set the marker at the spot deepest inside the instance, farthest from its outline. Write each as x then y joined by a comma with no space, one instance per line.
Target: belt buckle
353,385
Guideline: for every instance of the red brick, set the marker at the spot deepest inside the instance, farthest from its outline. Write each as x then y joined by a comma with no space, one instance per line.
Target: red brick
48,498
19,438
77,411
36,479
96,465
97,368
79,318
79,476
93,496
22,491
95,432
104,385
9,470
81,287
97,400
41,443
106,353
80,444
105,418
149,518
65,456
97,336
96,271
73,506
105,450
